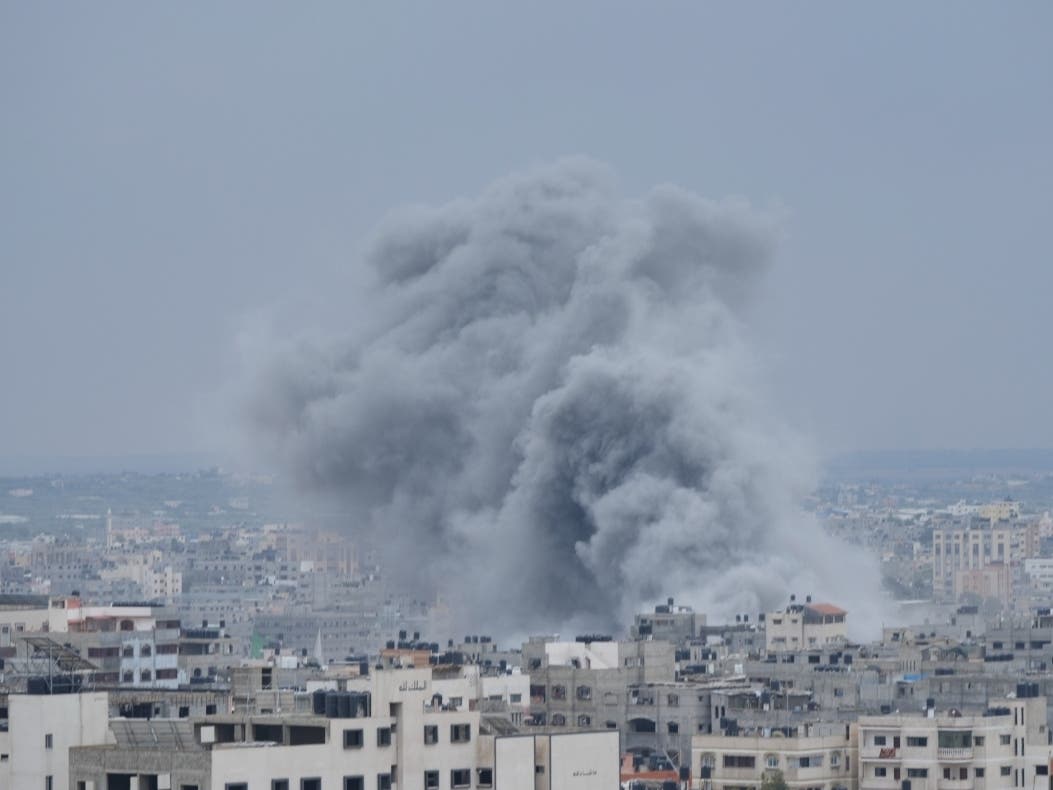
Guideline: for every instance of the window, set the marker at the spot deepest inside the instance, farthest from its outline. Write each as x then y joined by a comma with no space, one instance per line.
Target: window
354,783
461,777
880,771
383,736
128,651
49,783
1041,770
584,692
431,780
771,761
314,783
1004,740
353,739
880,740
1005,770
559,692
673,700
979,773
917,740
584,720
236,786
460,733
146,650
49,741
485,777
673,728
279,784
739,761
978,740
515,698
431,733
383,781
558,720
145,676
917,773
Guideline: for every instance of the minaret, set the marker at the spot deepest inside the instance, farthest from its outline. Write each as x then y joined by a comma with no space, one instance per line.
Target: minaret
318,649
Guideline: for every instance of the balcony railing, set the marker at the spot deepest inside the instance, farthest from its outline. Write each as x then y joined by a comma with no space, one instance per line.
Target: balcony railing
951,754
880,753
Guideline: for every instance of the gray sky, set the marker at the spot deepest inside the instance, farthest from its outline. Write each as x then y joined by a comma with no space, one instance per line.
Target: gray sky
167,172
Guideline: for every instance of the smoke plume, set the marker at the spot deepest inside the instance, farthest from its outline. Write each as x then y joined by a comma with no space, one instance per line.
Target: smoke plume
545,410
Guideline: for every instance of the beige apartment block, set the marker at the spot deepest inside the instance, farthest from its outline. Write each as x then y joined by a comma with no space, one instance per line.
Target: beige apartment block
728,762
805,626
1005,747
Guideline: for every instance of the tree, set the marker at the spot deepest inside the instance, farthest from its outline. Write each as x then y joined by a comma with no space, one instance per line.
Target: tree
773,780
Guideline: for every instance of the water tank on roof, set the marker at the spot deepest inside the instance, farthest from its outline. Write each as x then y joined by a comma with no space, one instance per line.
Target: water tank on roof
318,702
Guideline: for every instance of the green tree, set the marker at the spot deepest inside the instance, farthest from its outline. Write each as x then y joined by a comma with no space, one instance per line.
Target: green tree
773,781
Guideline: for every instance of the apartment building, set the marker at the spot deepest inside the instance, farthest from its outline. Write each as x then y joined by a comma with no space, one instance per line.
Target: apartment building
805,626
722,762
385,732
668,622
629,687
1006,746
401,728
38,730
980,560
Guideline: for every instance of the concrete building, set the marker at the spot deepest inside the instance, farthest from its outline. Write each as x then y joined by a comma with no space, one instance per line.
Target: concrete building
1006,746
38,730
668,622
966,549
403,728
721,762
994,581
567,761
629,687
805,626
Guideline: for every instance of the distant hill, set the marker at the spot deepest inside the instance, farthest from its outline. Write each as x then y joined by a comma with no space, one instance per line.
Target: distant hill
142,463
930,463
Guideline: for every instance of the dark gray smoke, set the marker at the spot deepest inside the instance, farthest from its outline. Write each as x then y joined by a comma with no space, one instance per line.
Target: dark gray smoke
545,410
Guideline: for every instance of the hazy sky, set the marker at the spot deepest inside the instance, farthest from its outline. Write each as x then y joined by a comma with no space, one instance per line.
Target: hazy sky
169,172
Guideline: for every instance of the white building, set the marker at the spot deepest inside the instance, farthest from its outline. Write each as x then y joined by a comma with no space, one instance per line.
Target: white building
566,761
1007,746
726,762
41,729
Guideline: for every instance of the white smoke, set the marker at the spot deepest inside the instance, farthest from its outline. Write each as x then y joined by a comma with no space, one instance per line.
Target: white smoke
546,411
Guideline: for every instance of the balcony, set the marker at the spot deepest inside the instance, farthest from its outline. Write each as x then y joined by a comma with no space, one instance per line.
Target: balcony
952,755
879,753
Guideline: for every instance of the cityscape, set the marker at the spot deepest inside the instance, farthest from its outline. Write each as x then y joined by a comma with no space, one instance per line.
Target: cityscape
586,395
154,627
